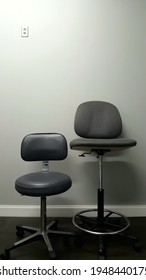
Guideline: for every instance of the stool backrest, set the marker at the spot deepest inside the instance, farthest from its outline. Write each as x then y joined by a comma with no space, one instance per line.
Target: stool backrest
97,119
44,146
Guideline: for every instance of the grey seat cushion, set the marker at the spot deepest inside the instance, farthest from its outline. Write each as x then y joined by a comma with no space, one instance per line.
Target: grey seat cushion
43,184
84,144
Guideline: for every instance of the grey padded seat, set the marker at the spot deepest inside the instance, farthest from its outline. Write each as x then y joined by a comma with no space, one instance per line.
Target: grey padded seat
99,127
43,184
44,147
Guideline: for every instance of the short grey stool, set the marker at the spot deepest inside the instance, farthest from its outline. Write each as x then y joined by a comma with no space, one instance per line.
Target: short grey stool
99,126
43,147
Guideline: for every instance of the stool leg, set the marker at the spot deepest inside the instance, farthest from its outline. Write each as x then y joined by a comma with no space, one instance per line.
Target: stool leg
100,217
43,214
102,248
100,206
100,199
49,246
44,228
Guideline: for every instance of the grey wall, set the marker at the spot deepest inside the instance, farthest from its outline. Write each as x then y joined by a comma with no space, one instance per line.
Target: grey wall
77,50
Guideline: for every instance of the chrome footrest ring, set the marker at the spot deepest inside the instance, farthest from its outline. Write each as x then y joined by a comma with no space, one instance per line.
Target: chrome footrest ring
112,223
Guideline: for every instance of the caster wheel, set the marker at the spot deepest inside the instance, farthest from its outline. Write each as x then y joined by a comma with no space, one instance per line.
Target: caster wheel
6,256
52,255
137,246
101,257
3,257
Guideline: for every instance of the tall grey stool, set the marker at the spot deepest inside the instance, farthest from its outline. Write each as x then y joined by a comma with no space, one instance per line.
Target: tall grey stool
98,125
43,147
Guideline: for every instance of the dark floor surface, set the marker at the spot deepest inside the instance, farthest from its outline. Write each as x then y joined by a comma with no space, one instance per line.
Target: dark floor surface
117,248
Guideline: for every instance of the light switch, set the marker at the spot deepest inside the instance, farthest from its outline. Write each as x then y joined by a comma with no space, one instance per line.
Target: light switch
24,31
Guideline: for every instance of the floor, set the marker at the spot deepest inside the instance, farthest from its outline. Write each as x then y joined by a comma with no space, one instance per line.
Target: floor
84,249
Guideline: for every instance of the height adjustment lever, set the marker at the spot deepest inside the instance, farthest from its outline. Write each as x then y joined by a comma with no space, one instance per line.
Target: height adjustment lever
83,155
92,152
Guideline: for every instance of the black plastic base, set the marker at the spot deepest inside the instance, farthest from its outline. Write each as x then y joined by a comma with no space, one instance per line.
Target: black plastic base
112,224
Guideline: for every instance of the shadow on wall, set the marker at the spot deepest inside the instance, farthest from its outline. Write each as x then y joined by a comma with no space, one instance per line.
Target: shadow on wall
120,182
